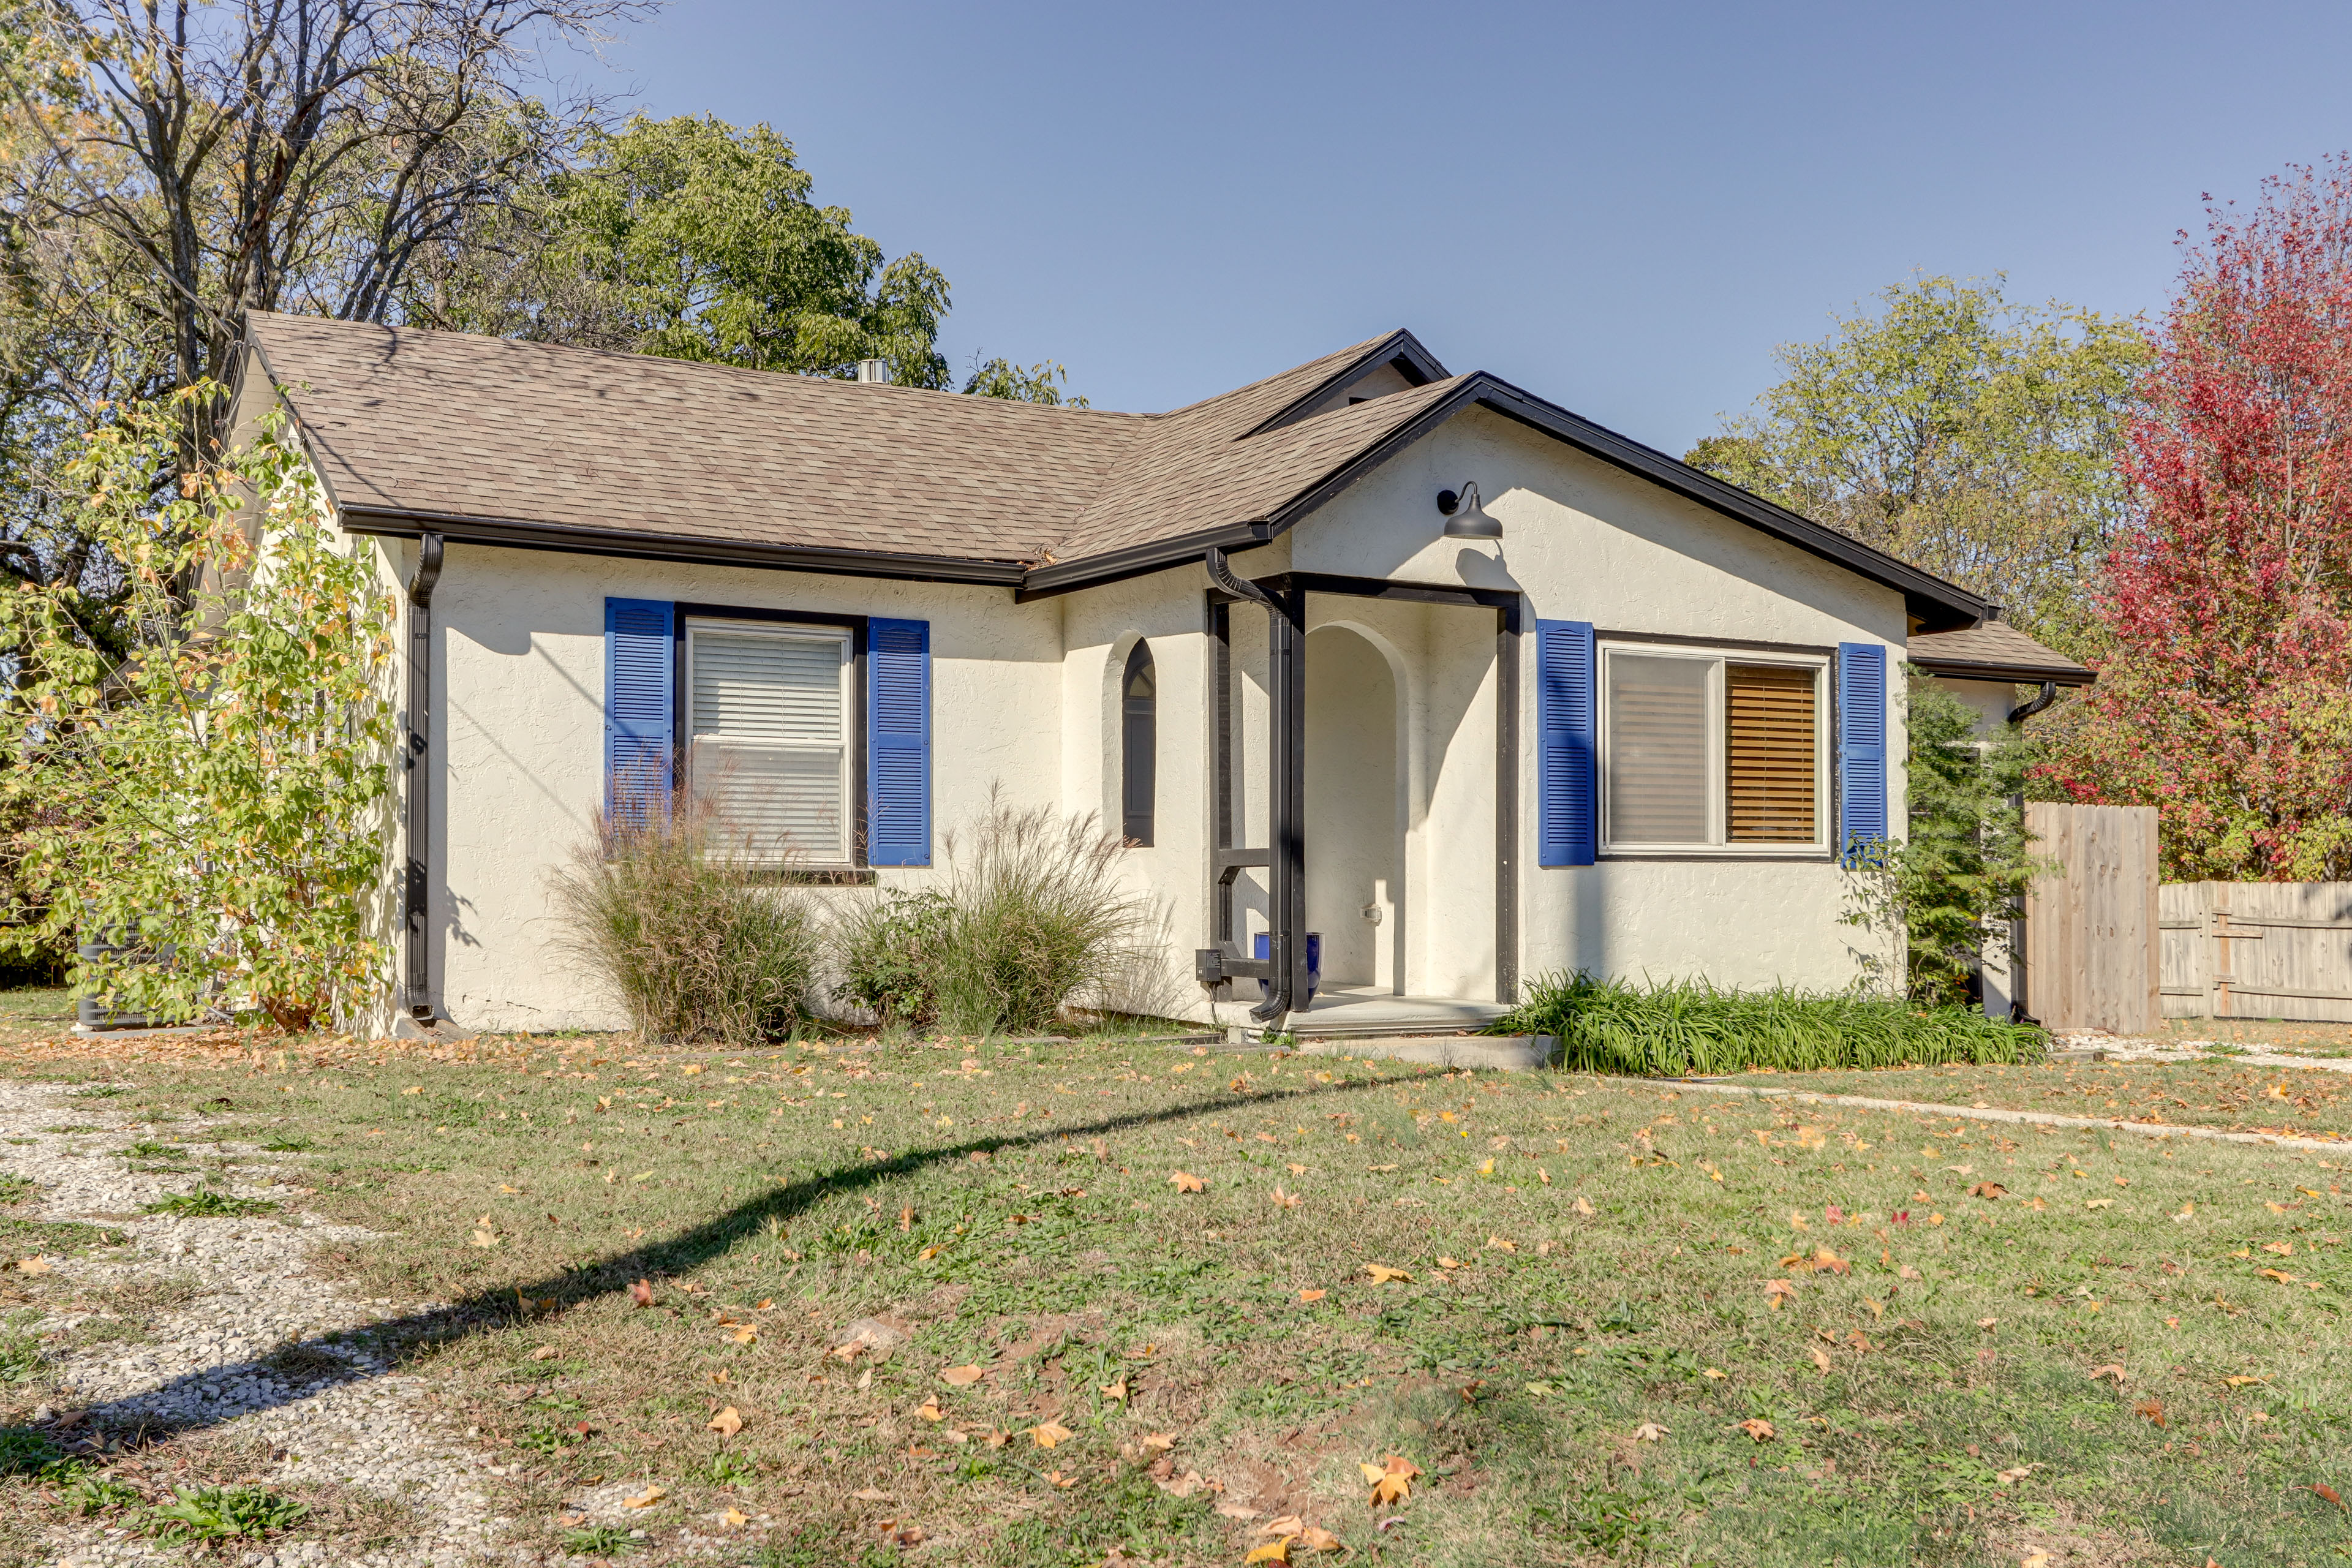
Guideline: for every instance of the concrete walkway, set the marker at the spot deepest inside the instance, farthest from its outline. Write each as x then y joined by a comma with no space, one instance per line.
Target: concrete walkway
1983,1114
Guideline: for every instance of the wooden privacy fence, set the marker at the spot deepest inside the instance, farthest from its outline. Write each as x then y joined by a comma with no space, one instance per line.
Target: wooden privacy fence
2258,950
2091,943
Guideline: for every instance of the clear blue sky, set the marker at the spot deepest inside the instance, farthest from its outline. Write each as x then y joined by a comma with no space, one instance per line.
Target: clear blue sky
1622,208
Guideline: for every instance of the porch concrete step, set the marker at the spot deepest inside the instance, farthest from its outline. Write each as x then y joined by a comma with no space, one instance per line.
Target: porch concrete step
1500,1053
1376,1013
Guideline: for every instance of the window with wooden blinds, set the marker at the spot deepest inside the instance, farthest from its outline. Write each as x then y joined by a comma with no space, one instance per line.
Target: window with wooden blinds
769,752
1772,753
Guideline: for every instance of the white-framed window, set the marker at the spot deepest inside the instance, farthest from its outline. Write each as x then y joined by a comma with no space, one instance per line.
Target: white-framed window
1707,751
769,742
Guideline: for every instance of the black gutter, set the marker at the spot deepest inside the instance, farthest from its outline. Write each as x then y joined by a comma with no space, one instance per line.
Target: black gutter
2015,674
416,904
1136,561
402,523
2024,710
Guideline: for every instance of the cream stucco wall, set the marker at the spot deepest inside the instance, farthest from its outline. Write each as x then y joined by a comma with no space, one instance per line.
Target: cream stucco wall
1024,697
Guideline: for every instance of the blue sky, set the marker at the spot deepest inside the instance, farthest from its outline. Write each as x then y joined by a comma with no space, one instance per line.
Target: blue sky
1622,208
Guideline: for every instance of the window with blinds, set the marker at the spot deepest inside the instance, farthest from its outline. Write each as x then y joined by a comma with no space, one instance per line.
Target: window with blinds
1658,764
1700,752
769,750
1771,751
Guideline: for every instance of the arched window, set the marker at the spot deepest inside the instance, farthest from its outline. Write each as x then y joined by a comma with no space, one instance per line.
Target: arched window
1138,744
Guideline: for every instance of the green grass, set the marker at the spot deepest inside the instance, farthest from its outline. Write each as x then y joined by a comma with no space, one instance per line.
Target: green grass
206,1204
1583,1258
1682,1028
222,1513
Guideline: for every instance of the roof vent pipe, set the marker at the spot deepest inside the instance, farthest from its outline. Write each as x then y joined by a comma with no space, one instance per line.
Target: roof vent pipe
874,370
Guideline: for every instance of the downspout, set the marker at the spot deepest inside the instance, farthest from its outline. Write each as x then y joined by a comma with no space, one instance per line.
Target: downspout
1283,828
2043,699
415,901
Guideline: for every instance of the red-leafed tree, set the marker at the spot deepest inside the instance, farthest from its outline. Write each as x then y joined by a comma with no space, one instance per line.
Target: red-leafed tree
2227,698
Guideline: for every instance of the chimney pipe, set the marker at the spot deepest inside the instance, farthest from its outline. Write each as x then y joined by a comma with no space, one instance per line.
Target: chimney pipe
874,370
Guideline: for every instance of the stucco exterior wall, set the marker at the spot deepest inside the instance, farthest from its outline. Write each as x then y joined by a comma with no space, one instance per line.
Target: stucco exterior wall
1025,697
518,723
1584,540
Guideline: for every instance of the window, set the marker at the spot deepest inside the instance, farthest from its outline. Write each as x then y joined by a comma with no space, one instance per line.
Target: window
1138,748
769,749
1706,752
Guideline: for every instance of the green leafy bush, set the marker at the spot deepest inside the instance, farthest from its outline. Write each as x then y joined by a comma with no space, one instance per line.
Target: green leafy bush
672,918
218,794
1685,1027
893,953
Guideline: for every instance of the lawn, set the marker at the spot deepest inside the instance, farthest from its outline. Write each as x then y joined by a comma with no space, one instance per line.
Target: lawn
2305,1101
1603,1322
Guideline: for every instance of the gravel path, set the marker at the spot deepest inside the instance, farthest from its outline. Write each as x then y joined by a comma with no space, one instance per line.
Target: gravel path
242,1352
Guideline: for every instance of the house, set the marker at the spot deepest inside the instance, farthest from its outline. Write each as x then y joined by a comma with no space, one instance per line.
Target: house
1468,687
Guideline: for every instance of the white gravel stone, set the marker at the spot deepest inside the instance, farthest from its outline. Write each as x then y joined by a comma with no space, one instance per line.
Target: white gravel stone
370,1429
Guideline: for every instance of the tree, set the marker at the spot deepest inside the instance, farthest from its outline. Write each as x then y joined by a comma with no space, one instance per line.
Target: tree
218,799
1041,383
1959,431
692,239
1941,898
2227,699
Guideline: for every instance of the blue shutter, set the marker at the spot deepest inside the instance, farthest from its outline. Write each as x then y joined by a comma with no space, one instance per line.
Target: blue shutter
1861,747
638,650
899,742
1568,820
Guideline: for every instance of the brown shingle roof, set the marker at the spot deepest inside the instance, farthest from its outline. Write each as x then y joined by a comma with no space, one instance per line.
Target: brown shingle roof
1995,650
520,443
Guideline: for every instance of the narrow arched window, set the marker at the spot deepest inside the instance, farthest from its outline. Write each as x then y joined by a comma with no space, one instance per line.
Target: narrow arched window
1138,744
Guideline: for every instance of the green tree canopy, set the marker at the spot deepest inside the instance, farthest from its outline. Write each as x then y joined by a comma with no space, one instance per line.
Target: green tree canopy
1950,427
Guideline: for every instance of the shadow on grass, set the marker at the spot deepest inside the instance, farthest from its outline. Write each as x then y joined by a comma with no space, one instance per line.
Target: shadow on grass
197,1401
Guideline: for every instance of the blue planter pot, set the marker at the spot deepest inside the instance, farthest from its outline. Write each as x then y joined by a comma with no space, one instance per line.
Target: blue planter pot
1263,950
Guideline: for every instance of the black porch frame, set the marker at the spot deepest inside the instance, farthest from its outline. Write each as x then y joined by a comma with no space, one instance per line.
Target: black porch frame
1283,595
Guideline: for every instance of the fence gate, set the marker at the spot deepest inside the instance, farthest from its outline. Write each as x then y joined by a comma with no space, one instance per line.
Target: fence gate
2092,953
2258,950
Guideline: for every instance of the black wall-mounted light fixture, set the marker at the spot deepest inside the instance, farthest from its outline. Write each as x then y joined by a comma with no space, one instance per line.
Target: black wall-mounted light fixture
1464,518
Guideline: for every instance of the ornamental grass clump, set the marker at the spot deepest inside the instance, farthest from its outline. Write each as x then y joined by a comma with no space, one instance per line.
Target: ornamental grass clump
1032,920
671,917
1688,1027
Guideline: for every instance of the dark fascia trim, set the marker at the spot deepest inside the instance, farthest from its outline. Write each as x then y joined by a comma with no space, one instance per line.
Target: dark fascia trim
1136,561
2015,674
570,540
1399,348
1386,588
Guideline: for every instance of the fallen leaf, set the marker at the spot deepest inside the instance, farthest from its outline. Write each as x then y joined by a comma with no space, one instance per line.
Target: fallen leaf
645,1499
1583,1205
1649,1432
929,1409
33,1266
2110,1369
1161,1441
544,1352
2009,1478
2153,1409
745,1335
2099,1203
1394,1482
2037,1558
1382,1273
1987,1323
1297,1170
734,1519
1316,1539
727,1423
1272,1551
642,1293
1288,1524
1115,1390
961,1376
1714,1371
1821,1359
1046,1434
1286,1200
2284,1248
483,1237
1311,1295
1186,1181
1759,1428
1778,1290
2243,1382
1449,1262
871,1494
1227,1508
2283,1278
1988,1190
2323,1489
1499,1245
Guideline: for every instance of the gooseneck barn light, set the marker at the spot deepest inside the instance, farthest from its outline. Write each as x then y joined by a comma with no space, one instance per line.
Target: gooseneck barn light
1464,518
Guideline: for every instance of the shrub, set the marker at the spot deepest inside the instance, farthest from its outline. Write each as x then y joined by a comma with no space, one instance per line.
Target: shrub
1032,920
1685,1027
892,954
223,1513
672,918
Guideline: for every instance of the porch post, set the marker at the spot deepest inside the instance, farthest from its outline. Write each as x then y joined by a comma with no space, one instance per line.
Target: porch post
1287,752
